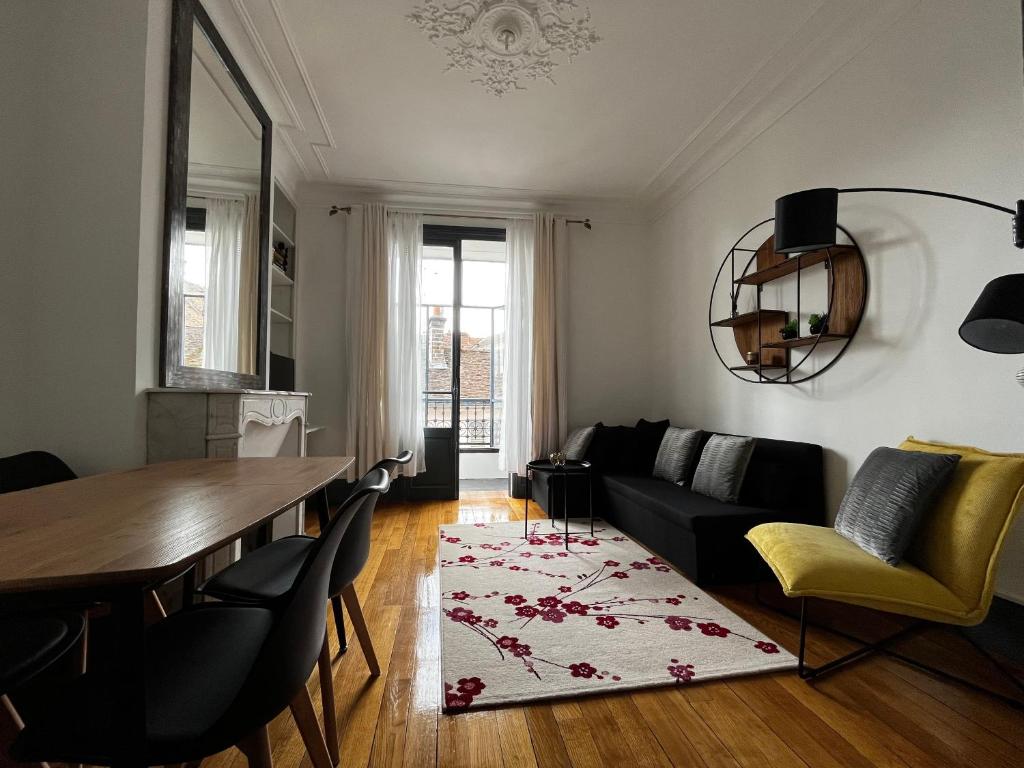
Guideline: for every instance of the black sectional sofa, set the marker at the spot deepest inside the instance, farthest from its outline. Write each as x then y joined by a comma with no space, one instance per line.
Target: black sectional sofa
700,535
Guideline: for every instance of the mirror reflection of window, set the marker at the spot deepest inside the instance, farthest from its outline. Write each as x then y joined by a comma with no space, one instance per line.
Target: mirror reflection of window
221,266
194,288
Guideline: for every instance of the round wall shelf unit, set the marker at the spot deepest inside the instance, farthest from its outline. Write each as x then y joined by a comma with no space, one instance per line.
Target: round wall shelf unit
765,354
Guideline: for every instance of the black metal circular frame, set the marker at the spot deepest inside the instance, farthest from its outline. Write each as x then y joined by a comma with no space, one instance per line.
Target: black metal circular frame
787,376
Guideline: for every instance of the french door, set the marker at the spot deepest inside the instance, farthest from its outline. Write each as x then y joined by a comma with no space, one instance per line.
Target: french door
460,296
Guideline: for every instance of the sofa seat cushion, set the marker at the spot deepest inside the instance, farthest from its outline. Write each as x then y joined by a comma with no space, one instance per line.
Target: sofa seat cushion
814,561
682,506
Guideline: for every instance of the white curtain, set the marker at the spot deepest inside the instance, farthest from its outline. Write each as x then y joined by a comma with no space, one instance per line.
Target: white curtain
249,286
550,259
404,402
367,331
516,424
224,220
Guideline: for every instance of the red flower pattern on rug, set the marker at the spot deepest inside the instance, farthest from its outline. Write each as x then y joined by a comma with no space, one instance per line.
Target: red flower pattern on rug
587,607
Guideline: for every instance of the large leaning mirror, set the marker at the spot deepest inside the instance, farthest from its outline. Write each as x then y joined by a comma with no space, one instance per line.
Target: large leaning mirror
217,215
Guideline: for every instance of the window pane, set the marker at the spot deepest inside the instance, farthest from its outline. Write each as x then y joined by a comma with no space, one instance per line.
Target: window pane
480,376
436,348
194,299
475,354
483,273
438,276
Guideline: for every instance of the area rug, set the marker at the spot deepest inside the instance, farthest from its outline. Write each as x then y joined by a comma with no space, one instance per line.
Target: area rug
524,620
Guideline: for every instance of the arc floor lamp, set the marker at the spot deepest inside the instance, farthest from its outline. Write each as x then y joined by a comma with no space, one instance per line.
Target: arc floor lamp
806,221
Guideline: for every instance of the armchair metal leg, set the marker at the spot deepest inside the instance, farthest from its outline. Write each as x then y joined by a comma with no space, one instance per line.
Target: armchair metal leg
809,673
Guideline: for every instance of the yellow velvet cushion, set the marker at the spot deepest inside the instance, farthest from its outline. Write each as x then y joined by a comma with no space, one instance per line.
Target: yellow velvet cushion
959,541
949,572
813,561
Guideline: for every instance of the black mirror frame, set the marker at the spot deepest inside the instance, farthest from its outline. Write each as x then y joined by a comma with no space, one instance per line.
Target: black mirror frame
172,373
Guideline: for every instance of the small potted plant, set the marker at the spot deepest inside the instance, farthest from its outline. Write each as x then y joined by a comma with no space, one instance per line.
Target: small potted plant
819,323
790,330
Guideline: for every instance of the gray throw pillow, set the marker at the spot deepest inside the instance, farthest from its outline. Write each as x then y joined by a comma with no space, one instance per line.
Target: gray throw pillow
577,443
676,453
723,465
889,497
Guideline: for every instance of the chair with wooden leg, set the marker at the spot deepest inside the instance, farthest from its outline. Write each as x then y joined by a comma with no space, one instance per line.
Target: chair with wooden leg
267,572
216,674
28,645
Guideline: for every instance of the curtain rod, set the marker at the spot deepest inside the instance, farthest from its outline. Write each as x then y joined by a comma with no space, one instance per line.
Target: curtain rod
348,209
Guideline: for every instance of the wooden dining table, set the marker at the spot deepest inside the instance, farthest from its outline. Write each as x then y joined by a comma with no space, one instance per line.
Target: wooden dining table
111,538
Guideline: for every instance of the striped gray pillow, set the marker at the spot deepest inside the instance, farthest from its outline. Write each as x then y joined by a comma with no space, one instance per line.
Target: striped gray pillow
889,496
723,465
675,453
577,443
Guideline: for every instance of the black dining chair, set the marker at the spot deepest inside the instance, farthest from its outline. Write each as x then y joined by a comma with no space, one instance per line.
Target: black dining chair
269,571
32,469
29,644
215,674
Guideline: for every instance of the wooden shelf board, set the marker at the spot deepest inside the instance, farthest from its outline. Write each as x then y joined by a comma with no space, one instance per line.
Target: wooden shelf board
758,367
749,317
280,235
278,276
789,266
277,316
804,341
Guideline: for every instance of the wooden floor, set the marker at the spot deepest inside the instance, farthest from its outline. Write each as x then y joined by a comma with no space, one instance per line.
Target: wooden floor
877,713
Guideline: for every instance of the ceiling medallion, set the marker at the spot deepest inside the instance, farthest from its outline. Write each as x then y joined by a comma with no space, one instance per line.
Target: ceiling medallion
505,42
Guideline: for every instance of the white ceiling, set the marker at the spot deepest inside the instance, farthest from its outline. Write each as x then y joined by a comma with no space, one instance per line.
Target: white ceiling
364,98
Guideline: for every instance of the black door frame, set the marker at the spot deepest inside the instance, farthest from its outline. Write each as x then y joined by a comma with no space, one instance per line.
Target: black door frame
450,237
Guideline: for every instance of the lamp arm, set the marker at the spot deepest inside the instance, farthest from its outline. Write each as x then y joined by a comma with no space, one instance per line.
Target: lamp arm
930,193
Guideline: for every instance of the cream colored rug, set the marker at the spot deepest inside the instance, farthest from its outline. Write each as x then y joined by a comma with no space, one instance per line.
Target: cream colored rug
522,619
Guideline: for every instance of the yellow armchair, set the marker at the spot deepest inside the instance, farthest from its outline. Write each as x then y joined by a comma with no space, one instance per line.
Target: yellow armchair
948,575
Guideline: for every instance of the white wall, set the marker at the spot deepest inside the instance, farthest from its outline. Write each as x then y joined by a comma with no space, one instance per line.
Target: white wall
321,347
609,324
80,133
935,102
83,131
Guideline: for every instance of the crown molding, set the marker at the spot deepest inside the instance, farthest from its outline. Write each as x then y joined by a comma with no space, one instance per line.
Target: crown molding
300,65
298,135
835,32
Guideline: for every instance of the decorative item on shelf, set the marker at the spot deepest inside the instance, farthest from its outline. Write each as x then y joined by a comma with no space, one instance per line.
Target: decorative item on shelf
819,323
281,256
557,458
1020,377
790,330
752,358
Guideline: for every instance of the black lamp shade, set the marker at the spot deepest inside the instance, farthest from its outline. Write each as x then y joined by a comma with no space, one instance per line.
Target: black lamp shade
996,322
806,221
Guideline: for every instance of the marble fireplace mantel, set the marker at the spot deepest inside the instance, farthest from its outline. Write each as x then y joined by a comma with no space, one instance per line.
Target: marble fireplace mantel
223,424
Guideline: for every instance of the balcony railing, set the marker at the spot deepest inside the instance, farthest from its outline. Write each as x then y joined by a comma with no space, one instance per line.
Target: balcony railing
479,420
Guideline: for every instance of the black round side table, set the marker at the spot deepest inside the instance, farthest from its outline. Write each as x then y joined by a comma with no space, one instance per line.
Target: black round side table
571,467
